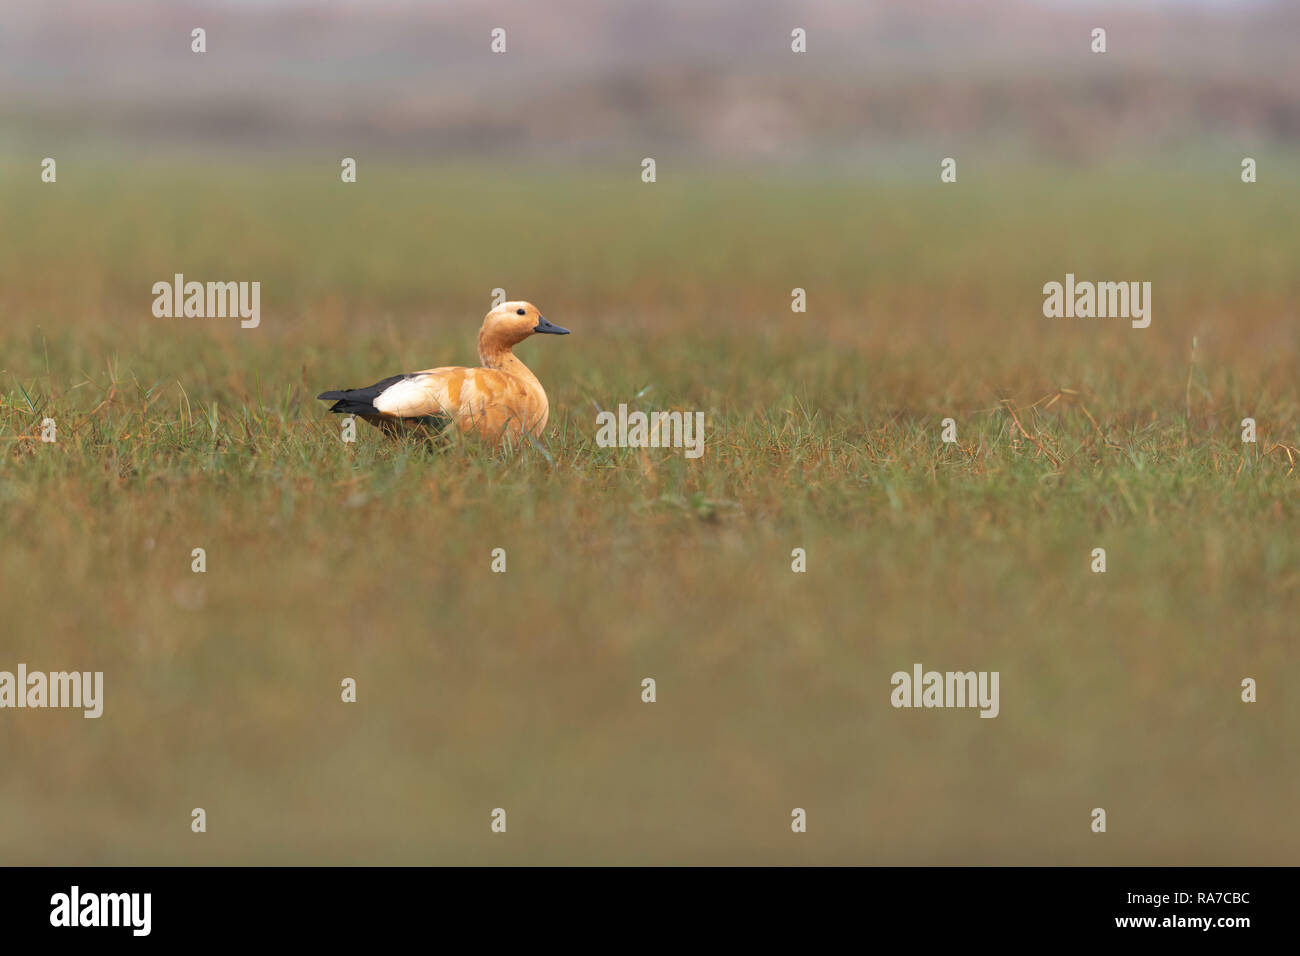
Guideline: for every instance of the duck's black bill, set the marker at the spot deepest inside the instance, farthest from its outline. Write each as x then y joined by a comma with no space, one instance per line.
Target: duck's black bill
549,327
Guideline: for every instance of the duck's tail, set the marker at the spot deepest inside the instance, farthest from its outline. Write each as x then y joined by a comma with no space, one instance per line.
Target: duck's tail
358,401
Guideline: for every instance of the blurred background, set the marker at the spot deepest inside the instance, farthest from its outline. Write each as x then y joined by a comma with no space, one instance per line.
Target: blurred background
775,171
594,79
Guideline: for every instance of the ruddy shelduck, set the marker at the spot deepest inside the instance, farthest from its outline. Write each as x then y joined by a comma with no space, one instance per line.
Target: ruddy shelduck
499,397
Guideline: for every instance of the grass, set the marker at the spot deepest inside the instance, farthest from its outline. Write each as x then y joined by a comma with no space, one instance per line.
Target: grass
522,690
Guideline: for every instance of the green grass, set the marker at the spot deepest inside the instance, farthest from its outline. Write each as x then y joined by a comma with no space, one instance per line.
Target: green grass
522,690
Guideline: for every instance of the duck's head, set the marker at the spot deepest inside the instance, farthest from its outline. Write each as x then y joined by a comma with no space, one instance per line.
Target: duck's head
512,322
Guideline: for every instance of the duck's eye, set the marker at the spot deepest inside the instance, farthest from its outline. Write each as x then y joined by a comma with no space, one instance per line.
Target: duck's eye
519,311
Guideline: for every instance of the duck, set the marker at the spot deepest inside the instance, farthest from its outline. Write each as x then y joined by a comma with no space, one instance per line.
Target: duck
499,398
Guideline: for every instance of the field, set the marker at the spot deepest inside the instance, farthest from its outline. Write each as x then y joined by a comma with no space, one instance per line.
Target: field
521,690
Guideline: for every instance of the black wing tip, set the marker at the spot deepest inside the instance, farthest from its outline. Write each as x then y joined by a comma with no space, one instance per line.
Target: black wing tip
346,406
358,401
348,403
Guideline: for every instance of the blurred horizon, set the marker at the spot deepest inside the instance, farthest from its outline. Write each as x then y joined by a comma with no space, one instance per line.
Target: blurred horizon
588,79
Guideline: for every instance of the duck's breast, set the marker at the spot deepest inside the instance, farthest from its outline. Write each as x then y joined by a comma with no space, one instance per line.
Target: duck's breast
485,400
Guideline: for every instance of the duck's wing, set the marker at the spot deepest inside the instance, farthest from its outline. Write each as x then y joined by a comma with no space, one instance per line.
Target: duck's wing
462,393
481,398
360,401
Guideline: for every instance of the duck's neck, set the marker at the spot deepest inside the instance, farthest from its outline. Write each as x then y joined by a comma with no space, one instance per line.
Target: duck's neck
494,353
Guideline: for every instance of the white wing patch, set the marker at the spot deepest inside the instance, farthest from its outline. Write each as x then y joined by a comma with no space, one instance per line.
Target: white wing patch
409,397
